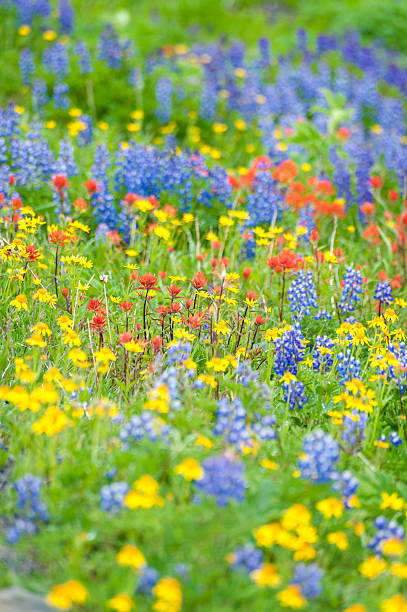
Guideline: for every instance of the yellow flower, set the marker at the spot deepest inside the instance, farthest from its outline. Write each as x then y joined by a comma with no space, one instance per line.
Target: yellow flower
190,469
203,441
121,603
268,464
291,597
24,30
64,595
240,125
158,399
392,501
219,128
133,347
79,358
397,603
225,221
65,322
131,556
266,575
51,423
44,297
71,338
399,570
393,547
296,516
144,205
288,377
218,364
105,355
36,340
144,494
209,380
52,375
49,35
19,302
372,567
330,507
267,535
221,328
162,232
356,608
168,590
305,553
45,394
339,539
42,329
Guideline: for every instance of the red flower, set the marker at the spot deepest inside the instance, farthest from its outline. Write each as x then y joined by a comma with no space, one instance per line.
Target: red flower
393,195
80,204
376,182
148,281
286,260
173,290
94,305
325,187
261,162
163,310
197,320
162,274
188,303
259,320
286,171
114,236
91,186
176,307
131,197
126,306
60,182
247,272
372,231
156,343
16,204
125,337
367,208
252,296
32,252
343,132
98,322
314,236
58,237
199,281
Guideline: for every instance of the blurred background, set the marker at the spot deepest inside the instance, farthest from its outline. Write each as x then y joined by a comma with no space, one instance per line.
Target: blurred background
156,22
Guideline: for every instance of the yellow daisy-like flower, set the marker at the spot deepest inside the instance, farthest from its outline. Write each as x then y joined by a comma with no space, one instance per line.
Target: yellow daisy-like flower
20,302
291,597
64,595
121,603
131,556
190,469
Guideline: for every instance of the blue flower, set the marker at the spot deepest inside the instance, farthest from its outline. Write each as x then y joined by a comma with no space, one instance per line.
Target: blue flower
223,479
308,578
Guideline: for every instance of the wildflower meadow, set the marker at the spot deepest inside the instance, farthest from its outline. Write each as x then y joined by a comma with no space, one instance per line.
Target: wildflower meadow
203,266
